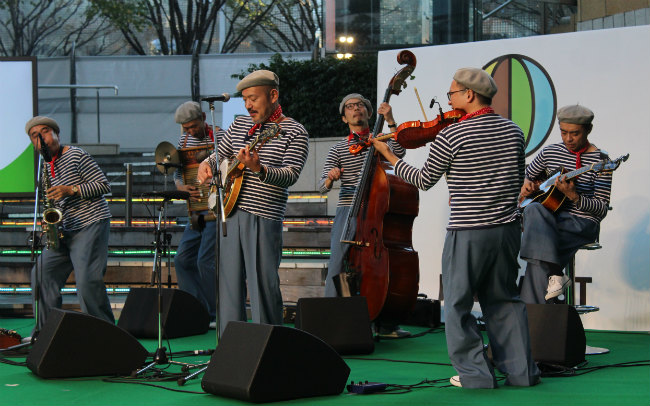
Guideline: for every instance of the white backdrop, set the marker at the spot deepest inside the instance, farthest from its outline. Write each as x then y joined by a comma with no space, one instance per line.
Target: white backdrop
605,70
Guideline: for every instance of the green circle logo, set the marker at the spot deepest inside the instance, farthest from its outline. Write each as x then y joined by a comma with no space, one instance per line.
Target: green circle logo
526,96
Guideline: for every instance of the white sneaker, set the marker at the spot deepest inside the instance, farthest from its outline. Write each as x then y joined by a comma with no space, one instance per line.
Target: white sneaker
455,380
212,325
556,285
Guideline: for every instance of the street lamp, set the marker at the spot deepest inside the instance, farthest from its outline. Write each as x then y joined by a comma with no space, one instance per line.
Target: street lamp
346,45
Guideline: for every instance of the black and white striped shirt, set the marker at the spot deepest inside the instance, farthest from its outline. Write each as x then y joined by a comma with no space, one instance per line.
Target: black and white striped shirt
76,167
339,156
483,161
188,141
594,188
283,157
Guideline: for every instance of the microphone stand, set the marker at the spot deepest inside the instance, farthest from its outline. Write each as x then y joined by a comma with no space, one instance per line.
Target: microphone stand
220,222
161,249
35,244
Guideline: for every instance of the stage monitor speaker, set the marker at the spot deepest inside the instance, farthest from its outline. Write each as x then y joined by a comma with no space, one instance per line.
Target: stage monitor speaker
265,363
342,322
557,336
182,314
73,344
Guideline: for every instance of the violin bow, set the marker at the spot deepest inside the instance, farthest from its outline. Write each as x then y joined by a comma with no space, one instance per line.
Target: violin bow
420,101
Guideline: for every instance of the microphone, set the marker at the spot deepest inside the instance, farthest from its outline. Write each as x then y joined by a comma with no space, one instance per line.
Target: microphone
223,98
169,194
44,151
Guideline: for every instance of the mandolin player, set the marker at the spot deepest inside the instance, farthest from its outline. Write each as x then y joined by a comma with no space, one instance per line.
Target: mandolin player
551,238
251,252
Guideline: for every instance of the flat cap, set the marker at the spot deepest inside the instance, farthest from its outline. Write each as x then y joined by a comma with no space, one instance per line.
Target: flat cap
575,114
355,96
42,120
478,80
187,112
259,78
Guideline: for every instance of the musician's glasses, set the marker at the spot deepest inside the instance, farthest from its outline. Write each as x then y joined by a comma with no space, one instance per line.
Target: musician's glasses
351,106
455,91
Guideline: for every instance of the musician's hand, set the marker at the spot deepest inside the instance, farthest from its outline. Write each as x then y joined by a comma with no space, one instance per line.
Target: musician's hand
250,159
333,175
567,187
195,193
204,173
383,149
528,187
59,192
387,111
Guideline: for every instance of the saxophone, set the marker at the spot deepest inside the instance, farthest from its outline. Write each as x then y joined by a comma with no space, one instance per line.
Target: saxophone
51,215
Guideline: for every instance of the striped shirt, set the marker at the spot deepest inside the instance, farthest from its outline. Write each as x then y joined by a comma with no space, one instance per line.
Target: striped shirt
594,188
188,141
76,167
483,161
339,156
283,157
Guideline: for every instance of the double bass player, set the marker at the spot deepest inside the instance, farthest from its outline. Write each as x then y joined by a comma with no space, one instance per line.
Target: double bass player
482,157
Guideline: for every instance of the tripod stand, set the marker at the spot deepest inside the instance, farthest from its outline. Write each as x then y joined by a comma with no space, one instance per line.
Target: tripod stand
161,242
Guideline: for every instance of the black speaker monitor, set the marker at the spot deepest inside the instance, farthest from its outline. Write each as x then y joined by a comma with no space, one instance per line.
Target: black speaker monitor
182,314
264,363
342,322
73,344
557,336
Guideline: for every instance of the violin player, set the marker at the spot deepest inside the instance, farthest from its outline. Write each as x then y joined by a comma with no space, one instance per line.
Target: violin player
550,239
344,166
482,156
251,252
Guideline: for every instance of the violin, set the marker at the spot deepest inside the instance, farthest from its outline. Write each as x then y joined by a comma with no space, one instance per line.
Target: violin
414,134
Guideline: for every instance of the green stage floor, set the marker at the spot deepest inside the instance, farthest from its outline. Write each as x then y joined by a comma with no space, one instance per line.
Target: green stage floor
603,381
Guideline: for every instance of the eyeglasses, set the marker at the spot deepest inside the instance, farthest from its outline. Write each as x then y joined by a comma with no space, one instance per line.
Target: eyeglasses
351,106
455,91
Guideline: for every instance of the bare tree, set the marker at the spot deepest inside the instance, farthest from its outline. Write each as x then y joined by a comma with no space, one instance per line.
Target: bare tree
293,25
179,26
279,25
50,27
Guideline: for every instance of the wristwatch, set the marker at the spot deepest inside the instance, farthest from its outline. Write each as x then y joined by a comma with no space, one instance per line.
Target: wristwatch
75,190
261,173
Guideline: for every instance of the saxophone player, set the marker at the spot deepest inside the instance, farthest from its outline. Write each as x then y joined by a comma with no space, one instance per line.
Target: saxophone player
75,185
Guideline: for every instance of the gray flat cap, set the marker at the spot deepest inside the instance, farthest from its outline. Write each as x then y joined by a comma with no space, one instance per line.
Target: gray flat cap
575,114
187,112
42,120
355,96
478,80
259,78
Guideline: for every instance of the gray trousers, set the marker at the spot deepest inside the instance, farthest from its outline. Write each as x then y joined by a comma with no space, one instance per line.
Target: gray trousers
338,250
86,252
250,257
484,262
195,265
548,242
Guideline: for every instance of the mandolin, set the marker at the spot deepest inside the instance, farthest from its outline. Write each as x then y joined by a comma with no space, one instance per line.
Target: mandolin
551,198
232,171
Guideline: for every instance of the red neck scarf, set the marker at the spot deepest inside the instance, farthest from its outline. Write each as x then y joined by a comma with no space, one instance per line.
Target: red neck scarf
54,158
273,117
484,110
358,136
577,154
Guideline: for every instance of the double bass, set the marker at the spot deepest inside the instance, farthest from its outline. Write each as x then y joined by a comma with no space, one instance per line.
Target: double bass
381,263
